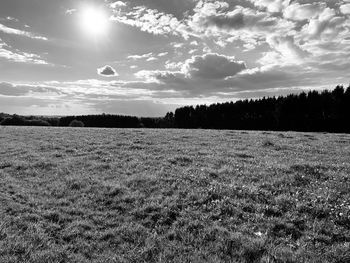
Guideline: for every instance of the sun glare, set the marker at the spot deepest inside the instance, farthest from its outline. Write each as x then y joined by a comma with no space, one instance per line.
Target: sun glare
94,21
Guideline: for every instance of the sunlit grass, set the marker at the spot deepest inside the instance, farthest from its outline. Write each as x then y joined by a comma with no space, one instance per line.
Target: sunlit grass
110,195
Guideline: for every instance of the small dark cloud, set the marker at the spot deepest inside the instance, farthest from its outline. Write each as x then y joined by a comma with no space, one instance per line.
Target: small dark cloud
107,71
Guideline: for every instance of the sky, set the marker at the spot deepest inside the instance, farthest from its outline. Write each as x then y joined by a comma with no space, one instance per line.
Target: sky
148,57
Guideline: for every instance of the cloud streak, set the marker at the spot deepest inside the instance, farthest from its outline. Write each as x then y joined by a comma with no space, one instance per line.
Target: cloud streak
18,56
13,31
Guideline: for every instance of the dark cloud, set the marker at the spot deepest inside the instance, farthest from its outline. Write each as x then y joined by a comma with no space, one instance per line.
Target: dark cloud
107,71
221,16
198,75
213,66
238,20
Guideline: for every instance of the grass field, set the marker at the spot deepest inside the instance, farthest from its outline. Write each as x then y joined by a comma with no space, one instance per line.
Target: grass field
99,195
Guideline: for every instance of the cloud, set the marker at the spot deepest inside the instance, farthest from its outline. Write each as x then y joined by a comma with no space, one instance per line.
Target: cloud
209,69
13,31
226,23
178,8
327,24
107,71
137,57
7,53
152,59
299,12
9,89
163,54
171,65
198,76
217,16
71,11
345,9
177,45
214,19
221,77
273,6
89,96
9,18
117,4
290,52
212,66
150,20
160,77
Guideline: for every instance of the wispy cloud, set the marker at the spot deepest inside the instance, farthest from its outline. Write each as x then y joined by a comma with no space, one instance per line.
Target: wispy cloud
163,54
20,57
150,20
13,31
143,56
71,11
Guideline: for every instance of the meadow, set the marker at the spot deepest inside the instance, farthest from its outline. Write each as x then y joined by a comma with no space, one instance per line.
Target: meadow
138,195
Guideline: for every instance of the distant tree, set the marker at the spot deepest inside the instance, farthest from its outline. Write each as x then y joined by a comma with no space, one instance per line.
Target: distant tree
37,122
52,121
15,120
103,121
76,123
169,120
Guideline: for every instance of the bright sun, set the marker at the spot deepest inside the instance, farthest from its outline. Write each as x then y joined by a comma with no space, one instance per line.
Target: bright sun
94,21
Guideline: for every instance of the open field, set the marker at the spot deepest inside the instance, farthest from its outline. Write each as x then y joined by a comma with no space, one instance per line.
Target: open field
98,195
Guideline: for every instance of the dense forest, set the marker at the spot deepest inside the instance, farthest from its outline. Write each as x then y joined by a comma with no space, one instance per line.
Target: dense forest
313,111
326,111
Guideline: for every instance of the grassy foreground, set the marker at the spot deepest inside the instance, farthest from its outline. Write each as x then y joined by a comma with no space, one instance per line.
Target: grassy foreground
98,195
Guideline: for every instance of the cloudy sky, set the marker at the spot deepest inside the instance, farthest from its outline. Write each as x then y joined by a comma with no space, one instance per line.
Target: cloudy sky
147,57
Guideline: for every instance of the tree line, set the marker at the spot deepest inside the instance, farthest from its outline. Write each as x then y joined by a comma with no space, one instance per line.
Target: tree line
94,121
326,111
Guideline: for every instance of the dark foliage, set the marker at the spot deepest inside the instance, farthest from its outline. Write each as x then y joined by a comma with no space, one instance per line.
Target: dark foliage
103,121
76,123
166,122
313,111
37,122
16,120
13,121
53,121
